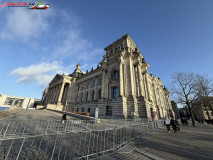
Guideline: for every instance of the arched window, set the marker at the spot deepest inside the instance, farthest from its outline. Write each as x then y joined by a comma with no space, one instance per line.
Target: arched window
93,83
100,81
88,85
99,94
78,88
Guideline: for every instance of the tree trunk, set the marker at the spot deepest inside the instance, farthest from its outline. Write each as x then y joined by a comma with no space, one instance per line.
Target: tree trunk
191,114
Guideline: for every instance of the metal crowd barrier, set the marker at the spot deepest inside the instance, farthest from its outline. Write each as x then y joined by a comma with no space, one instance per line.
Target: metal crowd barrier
74,145
27,128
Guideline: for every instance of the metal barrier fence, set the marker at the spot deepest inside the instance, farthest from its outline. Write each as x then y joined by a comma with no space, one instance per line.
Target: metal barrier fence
27,128
74,145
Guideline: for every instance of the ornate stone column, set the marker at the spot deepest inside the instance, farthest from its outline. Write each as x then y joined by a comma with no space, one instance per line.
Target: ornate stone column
84,93
96,89
60,94
121,79
50,95
154,92
89,92
56,93
53,98
140,79
103,84
68,93
148,86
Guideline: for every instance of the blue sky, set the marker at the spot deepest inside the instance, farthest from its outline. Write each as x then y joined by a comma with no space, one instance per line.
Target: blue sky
172,35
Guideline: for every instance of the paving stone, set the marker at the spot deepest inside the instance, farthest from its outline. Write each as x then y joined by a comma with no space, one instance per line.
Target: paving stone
190,143
127,148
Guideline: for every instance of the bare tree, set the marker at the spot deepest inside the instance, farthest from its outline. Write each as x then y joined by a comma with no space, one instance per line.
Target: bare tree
184,91
205,90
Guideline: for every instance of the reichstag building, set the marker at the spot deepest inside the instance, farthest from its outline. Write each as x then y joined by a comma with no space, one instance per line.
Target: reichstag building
120,87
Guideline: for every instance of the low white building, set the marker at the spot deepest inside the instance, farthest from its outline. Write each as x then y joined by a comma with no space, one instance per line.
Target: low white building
23,102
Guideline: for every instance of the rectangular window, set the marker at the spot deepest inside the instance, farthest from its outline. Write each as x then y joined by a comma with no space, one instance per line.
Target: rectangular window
109,110
93,83
115,75
87,97
88,85
100,81
93,94
77,98
99,94
115,92
89,110
82,97
77,109
82,109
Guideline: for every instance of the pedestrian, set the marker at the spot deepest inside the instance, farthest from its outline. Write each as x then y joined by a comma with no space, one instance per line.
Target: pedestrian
167,123
64,118
182,121
201,121
174,125
177,124
186,122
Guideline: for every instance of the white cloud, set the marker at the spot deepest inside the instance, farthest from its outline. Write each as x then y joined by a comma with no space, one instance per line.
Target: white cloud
24,23
41,73
69,44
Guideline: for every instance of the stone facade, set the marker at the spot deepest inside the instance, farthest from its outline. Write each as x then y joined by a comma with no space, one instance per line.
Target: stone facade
120,87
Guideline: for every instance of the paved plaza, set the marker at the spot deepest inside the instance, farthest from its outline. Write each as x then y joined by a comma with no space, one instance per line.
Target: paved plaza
31,115
190,143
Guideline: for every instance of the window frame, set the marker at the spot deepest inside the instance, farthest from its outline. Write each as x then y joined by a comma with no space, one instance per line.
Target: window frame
109,110
87,97
115,94
115,75
93,95
99,94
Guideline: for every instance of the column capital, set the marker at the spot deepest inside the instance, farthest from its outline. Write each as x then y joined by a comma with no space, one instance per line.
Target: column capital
139,64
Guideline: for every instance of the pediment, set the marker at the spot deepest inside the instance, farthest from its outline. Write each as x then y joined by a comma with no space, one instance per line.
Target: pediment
56,79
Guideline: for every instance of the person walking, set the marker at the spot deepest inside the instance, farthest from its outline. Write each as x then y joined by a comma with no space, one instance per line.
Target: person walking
177,124
64,118
167,123
186,122
182,121
174,125
201,121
